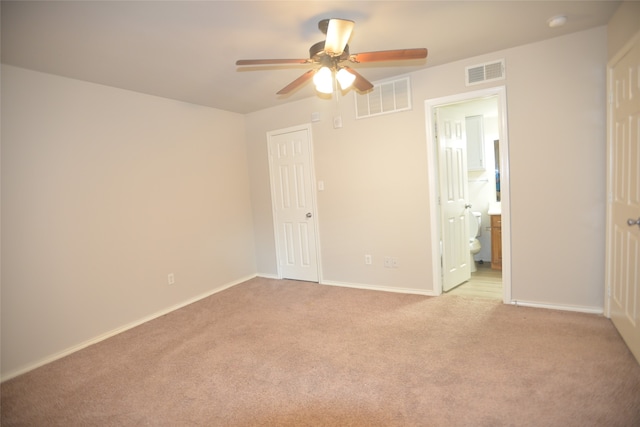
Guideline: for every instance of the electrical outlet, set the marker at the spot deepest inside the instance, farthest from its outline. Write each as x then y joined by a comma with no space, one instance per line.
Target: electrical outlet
171,279
368,260
391,262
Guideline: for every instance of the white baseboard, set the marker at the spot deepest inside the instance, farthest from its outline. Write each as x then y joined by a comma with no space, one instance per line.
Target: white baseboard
429,293
268,276
109,334
576,308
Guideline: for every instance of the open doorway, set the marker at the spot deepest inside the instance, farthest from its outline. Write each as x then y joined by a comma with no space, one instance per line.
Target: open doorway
468,147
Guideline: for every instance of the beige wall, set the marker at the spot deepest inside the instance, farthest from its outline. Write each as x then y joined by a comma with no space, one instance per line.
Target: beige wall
556,96
623,25
376,197
104,193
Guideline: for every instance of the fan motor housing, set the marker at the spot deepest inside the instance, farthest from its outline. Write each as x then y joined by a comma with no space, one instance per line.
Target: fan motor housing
316,52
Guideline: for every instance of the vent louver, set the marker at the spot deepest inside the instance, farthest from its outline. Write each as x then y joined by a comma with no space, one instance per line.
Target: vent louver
386,97
486,72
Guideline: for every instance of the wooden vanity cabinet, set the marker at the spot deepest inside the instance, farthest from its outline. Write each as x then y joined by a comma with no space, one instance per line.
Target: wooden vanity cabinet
496,242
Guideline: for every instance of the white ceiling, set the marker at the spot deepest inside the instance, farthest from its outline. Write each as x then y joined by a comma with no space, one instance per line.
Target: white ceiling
186,50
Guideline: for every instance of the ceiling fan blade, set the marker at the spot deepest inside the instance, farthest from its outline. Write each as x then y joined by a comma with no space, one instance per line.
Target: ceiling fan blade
297,82
338,33
360,82
389,55
271,61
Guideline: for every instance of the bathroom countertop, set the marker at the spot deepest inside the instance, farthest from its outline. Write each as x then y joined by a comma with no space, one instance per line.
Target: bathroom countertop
495,208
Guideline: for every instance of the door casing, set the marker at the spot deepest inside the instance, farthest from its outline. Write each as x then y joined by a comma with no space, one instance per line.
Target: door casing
432,161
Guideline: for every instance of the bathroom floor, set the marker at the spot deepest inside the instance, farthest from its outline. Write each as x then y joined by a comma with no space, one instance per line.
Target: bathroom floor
484,283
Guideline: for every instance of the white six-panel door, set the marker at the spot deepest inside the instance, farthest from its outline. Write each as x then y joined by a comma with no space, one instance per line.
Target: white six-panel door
623,230
454,196
293,203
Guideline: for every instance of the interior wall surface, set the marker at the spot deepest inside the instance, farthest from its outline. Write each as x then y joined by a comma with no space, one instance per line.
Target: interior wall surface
105,192
623,25
375,193
557,130
376,196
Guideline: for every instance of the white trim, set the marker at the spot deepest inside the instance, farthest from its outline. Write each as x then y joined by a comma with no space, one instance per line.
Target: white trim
608,196
575,308
434,206
267,276
314,199
434,211
380,288
121,329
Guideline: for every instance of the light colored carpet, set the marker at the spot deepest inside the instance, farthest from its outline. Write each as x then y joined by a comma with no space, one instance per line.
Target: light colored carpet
286,353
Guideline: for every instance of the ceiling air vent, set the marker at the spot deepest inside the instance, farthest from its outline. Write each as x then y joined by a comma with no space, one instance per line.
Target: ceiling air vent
487,72
386,97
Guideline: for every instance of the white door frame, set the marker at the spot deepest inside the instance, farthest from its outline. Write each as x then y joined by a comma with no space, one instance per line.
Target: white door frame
270,135
432,161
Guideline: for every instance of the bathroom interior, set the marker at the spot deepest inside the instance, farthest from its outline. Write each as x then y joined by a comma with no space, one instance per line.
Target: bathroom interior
482,134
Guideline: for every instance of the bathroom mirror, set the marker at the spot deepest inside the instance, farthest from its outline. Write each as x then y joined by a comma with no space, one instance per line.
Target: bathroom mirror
496,152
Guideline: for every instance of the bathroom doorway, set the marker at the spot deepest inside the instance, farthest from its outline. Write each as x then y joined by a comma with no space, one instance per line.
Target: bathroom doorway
481,185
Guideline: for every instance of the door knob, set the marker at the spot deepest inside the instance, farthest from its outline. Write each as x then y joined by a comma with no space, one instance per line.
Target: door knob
632,222
309,215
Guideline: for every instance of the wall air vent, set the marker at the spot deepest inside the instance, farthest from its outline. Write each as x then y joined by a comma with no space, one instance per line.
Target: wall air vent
385,97
483,73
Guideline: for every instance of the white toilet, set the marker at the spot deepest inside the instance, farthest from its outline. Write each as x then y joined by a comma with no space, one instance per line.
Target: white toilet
475,228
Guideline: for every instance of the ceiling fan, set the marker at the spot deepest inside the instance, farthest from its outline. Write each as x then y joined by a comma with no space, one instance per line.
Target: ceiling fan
330,53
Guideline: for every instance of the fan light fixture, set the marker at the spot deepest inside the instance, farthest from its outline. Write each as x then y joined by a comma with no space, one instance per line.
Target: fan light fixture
323,79
345,78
